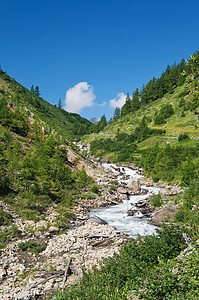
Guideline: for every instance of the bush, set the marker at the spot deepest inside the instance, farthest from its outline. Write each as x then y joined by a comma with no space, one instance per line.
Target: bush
113,187
156,200
5,218
183,137
8,234
32,246
165,112
62,220
188,213
159,119
176,279
95,189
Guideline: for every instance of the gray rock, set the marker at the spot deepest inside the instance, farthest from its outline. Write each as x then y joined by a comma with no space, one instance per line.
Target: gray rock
131,212
96,220
53,229
166,213
3,273
134,184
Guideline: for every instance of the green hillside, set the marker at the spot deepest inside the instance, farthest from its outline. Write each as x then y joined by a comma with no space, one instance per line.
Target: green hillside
170,120
69,125
182,120
35,172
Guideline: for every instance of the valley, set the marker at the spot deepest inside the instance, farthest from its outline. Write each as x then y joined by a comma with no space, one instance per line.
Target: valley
106,210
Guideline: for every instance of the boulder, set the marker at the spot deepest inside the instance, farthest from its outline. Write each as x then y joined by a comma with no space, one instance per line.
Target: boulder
134,185
147,210
166,213
96,220
53,229
141,203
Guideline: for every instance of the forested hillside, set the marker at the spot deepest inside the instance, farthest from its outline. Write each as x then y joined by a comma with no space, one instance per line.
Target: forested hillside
34,169
69,125
166,112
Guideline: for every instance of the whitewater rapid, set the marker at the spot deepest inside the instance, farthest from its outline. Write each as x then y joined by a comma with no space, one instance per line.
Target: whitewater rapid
117,215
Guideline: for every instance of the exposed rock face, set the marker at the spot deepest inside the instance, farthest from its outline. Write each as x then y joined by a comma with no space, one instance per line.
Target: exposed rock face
166,213
134,185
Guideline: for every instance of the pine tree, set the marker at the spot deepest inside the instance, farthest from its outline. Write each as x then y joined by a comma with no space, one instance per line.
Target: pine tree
32,89
135,104
126,109
117,113
59,105
101,124
192,79
37,92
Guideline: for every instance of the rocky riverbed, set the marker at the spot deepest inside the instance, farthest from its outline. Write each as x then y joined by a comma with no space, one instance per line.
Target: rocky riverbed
24,275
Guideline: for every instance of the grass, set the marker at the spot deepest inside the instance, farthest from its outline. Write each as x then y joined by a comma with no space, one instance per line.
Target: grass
8,234
32,246
175,124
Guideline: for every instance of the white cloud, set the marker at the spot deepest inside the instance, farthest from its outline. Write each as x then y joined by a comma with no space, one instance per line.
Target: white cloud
78,97
118,101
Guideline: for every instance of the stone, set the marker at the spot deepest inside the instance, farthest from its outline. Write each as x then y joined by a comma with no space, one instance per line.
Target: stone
165,213
3,273
48,285
134,185
96,220
132,212
53,229
122,190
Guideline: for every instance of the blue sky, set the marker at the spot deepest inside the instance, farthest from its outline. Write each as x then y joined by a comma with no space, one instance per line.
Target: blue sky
94,51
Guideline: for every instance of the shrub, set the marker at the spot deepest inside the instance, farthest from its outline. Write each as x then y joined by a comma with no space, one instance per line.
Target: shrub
176,279
95,189
5,218
183,137
129,269
113,187
165,112
62,220
8,234
159,119
32,246
156,200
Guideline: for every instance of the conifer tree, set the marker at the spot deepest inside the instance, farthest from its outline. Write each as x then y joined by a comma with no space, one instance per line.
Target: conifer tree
32,89
37,92
59,104
126,109
117,113
192,79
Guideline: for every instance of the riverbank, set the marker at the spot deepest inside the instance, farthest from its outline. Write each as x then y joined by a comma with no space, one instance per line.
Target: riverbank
25,275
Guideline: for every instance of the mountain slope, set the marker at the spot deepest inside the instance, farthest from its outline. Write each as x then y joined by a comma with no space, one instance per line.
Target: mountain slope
160,135
67,124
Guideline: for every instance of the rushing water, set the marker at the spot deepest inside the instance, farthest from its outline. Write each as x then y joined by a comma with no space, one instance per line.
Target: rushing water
117,215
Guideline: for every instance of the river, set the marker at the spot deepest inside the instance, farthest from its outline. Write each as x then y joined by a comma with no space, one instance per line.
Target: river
117,215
